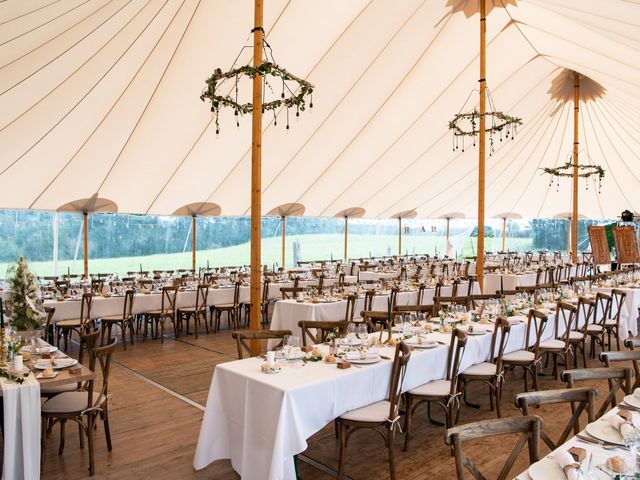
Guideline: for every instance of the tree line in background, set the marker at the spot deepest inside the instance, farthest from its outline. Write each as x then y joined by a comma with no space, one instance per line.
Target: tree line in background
31,233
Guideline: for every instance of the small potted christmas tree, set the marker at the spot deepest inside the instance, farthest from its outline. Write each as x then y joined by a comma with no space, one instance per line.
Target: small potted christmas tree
24,303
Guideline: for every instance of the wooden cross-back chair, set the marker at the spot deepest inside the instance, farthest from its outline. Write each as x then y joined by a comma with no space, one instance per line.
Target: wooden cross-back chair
578,336
290,292
157,318
471,280
529,356
443,393
369,295
350,307
242,336
612,324
383,416
124,321
476,300
232,310
596,329
198,312
489,372
65,328
581,399
97,285
440,303
632,343
529,427
609,358
560,344
619,379
426,309
317,331
377,320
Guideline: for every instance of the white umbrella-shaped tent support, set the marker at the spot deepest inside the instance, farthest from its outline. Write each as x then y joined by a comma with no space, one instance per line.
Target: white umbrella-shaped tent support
355,212
568,216
193,210
504,217
400,215
448,217
92,204
283,211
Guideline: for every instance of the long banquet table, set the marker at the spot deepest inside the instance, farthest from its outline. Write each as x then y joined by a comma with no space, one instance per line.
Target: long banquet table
287,313
261,421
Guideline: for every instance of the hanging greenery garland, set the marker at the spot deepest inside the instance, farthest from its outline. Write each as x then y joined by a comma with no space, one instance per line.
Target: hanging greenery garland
584,170
294,89
466,124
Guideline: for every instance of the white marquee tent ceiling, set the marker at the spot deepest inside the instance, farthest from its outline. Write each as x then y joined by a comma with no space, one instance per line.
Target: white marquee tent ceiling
100,98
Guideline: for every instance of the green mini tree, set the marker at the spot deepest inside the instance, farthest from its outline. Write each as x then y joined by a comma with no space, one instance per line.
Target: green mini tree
25,304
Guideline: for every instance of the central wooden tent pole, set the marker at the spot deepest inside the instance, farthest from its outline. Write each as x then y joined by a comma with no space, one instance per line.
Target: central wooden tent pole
283,219
574,216
256,177
481,143
446,248
193,243
85,218
346,234
504,233
399,236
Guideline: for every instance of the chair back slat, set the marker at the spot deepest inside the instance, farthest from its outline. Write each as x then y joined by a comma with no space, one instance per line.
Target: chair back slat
317,331
241,337
620,380
400,360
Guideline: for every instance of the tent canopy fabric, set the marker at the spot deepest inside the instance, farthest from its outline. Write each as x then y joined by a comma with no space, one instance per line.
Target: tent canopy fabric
102,98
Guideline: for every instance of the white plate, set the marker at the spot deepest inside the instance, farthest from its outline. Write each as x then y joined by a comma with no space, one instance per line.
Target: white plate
604,431
632,400
43,376
366,361
546,469
59,364
428,344
477,332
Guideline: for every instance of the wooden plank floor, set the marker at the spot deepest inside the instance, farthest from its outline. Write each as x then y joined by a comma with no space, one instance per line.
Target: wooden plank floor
155,430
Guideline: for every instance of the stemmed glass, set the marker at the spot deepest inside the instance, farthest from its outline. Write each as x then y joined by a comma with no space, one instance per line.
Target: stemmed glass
351,333
397,322
291,347
363,334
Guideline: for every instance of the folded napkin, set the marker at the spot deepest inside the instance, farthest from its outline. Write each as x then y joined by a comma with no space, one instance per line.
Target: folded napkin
636,393
568,464
358,355
622,425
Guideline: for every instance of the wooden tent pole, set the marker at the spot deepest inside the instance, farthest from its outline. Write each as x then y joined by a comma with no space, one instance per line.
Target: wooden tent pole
283,219
447,245
256,177
193,243
399,236
481,143
346,236
504,233
574,217
85,219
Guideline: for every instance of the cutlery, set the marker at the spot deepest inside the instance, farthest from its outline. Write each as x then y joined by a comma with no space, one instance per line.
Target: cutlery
602,443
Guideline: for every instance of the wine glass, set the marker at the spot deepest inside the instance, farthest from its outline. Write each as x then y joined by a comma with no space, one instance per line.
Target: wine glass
351,332
363,334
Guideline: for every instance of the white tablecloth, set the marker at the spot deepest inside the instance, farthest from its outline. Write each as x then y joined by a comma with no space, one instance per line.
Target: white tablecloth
104,306
509,281
368,275
21,429
261,421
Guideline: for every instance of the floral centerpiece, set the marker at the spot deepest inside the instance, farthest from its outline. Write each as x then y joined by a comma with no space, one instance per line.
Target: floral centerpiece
24,300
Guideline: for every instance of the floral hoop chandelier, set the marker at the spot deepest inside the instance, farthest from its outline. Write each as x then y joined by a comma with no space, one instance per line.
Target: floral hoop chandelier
497,123
584,171
293,94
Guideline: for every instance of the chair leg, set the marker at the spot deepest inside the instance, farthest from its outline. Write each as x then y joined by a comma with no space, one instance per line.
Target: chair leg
343,434
81,432
107,432
392,465
61,446
408,405
90,423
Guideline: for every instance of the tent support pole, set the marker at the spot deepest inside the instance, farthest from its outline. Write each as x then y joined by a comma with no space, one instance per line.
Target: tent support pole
400,236
504,233
283,219
85,218
447,245
346,236
193,243
256,177
481,143
576,144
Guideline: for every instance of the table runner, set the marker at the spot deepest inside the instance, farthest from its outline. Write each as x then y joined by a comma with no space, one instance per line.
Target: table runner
21,429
